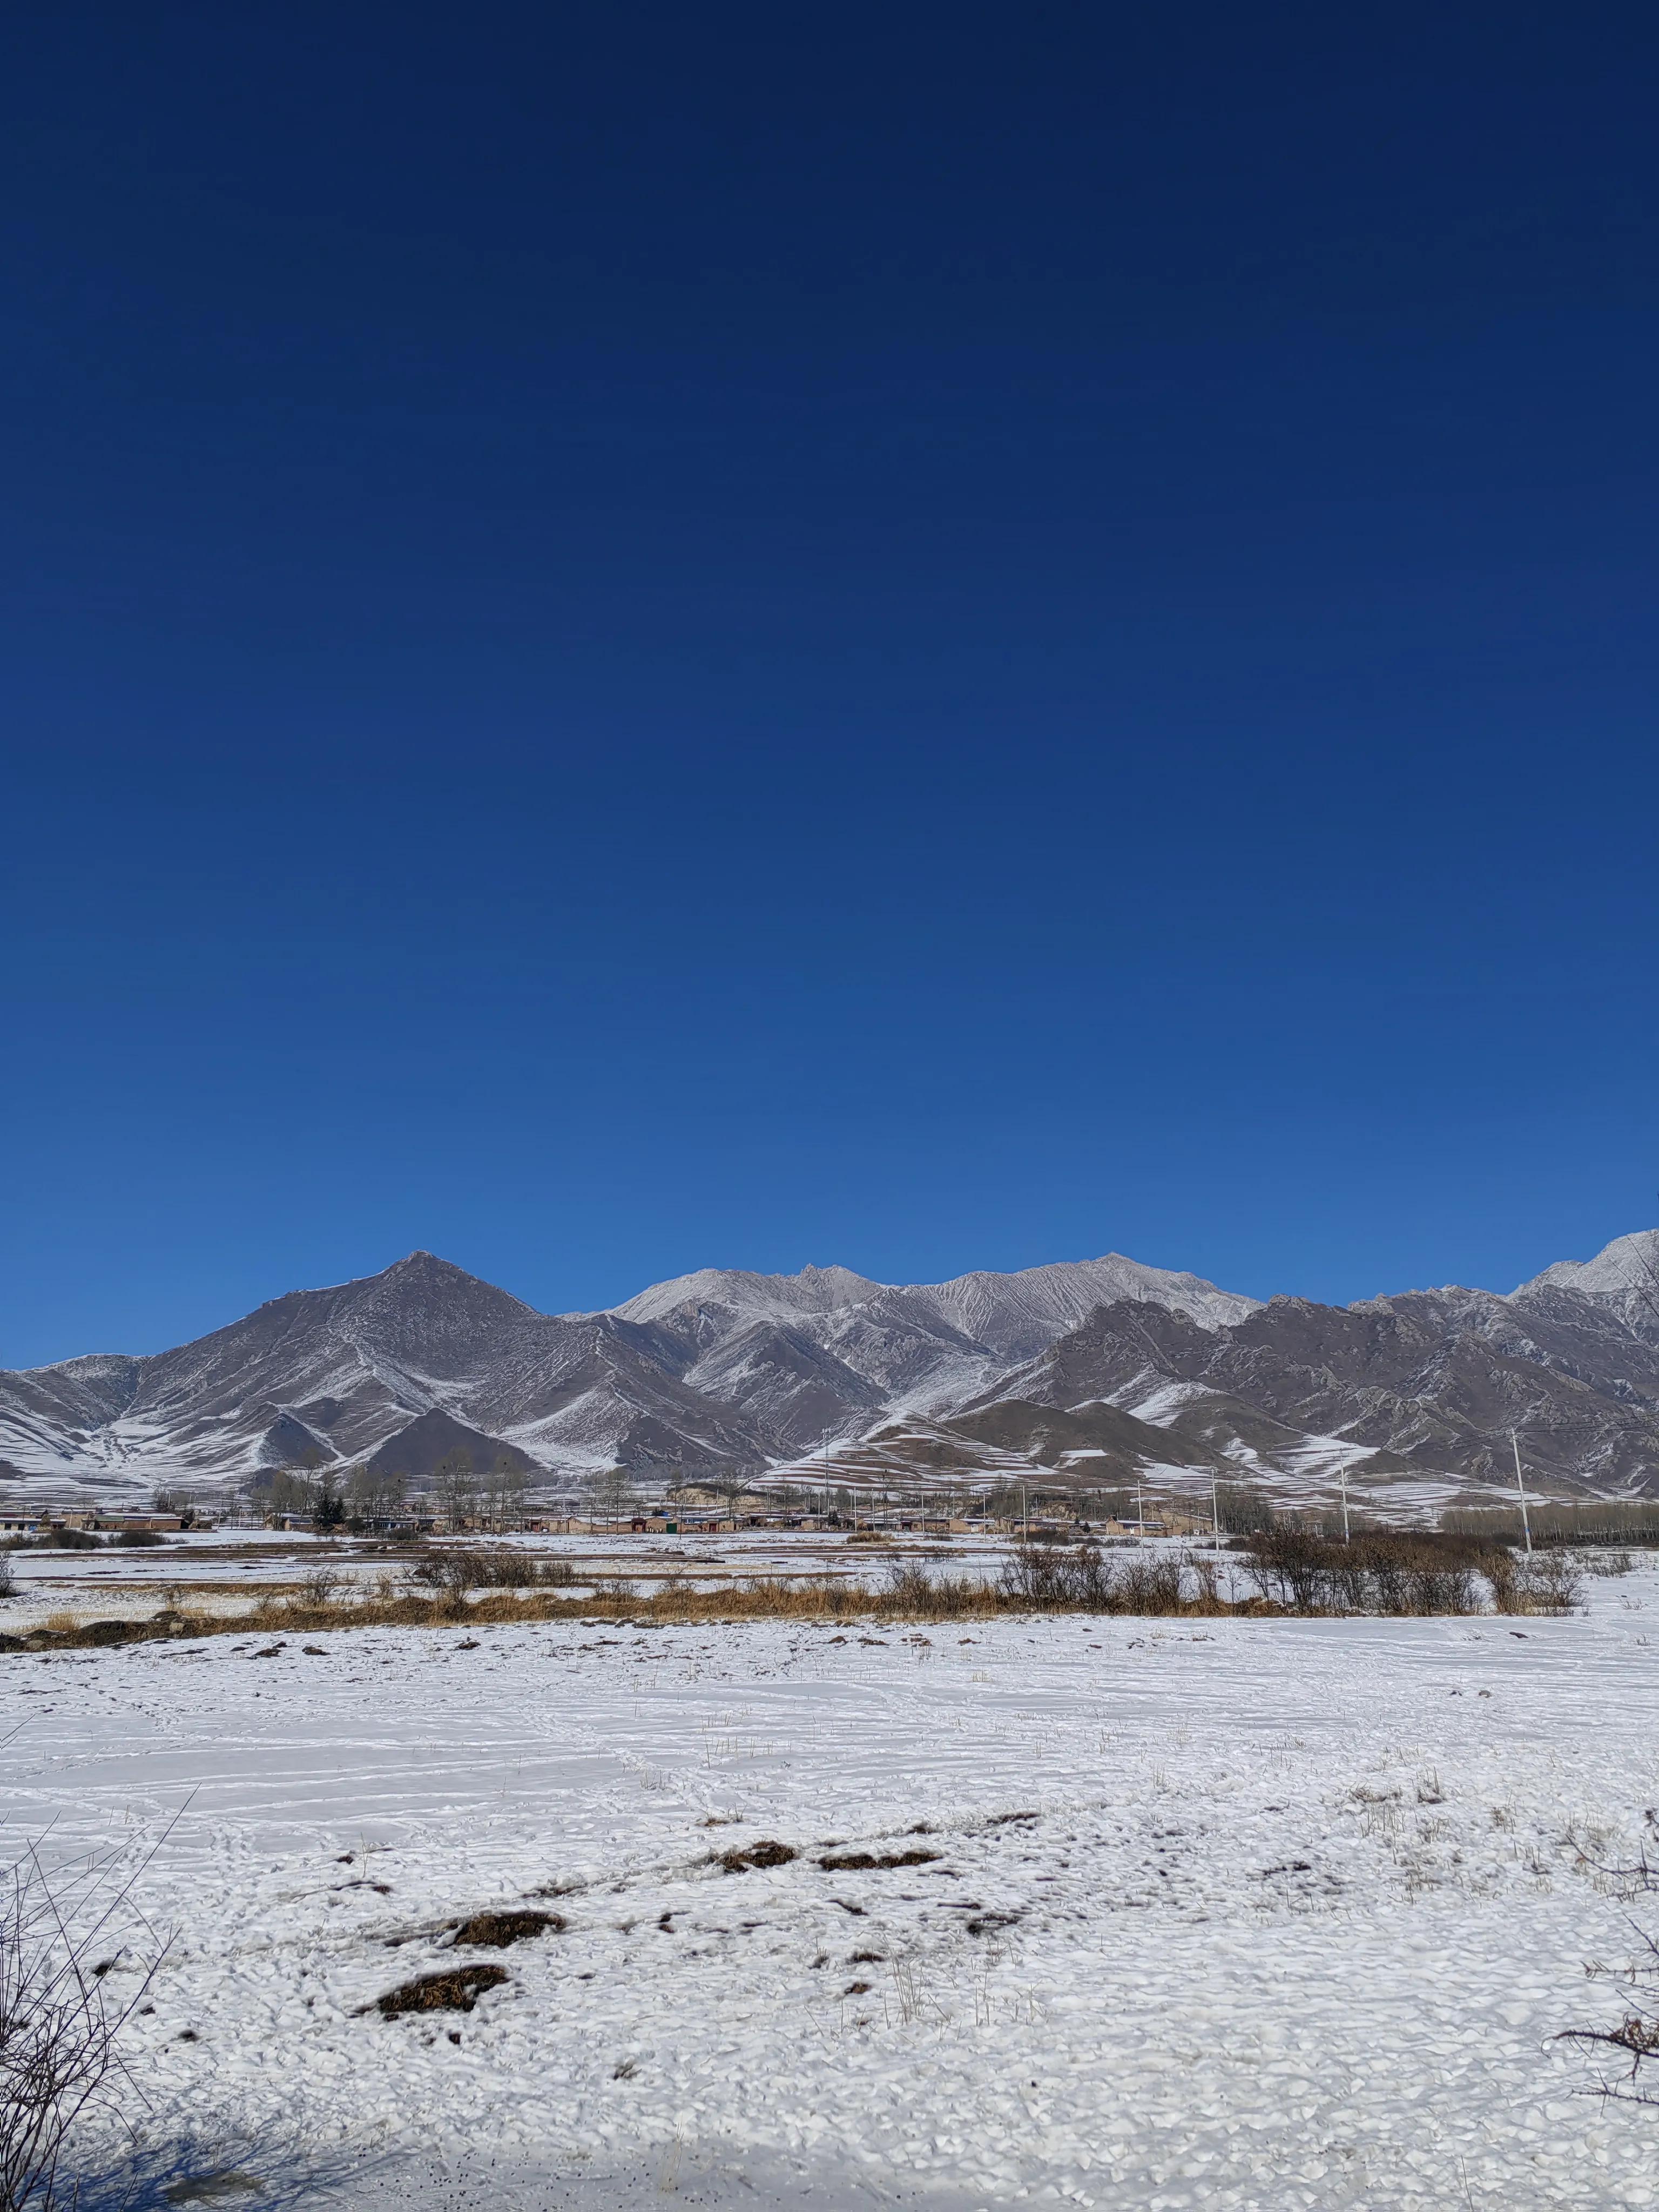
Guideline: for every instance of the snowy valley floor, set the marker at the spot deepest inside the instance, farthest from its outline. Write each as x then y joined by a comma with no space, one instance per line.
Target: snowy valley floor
1234,1914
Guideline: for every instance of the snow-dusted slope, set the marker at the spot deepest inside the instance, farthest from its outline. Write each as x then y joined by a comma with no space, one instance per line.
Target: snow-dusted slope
725,1368
922,1347
1012,1315
1433,1381
815,1290
1626,1269
1017,1315
321,1375
712,1369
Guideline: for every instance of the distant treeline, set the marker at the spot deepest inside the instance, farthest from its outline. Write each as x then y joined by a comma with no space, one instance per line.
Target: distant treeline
1596,1521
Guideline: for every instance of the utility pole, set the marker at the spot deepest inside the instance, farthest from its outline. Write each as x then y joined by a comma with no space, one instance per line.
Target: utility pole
1525,1525
1342,1478
1140,1515
1215,1514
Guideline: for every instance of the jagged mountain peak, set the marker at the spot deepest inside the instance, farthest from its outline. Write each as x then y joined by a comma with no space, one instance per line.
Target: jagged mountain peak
1017,1315
1628,1263
814,1290
421,1270
418,1274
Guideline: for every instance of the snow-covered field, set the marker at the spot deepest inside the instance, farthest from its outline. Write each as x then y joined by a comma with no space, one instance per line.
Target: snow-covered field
230,1569
231,1573
1292,1925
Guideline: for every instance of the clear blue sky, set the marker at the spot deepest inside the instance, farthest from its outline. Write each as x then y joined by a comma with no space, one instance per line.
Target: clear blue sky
933,637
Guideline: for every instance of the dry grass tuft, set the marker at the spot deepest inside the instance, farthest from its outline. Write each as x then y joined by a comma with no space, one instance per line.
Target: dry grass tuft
498,1929
757,1855
863,1861
455,1990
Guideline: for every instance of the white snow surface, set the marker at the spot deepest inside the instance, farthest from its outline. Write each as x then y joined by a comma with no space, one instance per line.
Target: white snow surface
1293,1925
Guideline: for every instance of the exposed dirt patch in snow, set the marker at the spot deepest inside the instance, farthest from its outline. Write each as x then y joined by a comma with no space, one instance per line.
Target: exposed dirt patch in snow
457,1988
498,1929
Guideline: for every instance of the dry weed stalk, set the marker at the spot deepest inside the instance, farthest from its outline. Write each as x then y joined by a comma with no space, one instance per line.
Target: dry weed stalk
1635,2037
59,2060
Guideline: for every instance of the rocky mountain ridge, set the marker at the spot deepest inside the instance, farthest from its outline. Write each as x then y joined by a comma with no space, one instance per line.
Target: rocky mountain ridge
1091,1373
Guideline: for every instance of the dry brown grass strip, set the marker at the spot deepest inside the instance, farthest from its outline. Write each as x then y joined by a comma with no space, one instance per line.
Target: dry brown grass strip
821,1600
831,1603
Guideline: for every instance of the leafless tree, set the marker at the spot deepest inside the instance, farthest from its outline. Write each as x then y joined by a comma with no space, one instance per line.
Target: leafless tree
59,2022
614,1493
503,1494
509,1493
457,1489
292,1491
374,1495
734,1483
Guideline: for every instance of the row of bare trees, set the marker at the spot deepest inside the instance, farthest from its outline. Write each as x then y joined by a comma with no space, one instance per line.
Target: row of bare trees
370,1496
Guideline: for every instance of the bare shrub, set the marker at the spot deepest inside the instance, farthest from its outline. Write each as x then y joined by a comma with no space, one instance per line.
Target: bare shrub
1554,1581
8,1580
1292,1568
456,1569
1636,2035
1438,1585
1202,1567
1086,1579
909,1584
1080,1578
1145,1584
1502,1580
1418,1572
59,2062
910,1589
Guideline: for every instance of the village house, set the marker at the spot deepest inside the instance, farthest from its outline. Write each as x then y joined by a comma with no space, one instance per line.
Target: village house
115,1525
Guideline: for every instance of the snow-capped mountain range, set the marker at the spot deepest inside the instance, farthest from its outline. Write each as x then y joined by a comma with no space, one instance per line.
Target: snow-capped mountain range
1093,1372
